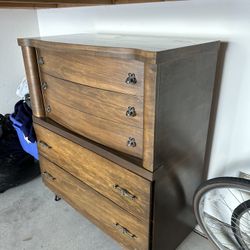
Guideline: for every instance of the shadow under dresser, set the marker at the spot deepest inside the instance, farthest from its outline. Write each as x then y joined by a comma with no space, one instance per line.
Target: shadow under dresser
123,127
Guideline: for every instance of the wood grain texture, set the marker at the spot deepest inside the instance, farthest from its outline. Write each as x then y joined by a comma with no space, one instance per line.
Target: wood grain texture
183,107
173,217
50,4
121,44
127,162
111,134
97,172
150,49
29,57
65,3
214,106
182,120
99,72
150,91
101,103
96,207
178,94
176,89
58,1
24,5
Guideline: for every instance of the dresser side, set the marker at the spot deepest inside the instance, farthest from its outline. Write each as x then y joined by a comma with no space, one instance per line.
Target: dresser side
184,100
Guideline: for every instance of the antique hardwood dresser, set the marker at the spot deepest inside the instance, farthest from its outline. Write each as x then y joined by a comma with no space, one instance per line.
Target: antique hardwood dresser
122,124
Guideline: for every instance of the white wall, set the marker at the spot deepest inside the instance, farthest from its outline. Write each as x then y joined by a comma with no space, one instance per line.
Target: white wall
13,23
67,20
227,20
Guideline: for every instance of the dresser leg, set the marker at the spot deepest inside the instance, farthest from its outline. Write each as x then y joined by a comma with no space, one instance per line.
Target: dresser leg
57,198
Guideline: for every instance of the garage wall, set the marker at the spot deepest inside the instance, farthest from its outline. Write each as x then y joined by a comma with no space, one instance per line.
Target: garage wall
226,20
13,23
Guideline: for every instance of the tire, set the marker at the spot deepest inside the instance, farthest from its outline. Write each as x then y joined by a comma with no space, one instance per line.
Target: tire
235,219
212,184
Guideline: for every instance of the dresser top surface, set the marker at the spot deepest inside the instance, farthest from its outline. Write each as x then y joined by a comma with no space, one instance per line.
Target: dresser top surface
141,42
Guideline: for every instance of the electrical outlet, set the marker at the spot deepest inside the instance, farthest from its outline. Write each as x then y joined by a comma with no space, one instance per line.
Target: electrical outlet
244,175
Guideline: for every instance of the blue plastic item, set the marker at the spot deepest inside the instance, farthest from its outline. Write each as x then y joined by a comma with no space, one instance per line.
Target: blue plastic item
30,148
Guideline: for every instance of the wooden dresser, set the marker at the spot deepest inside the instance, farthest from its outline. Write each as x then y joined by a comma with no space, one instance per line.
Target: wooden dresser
122,124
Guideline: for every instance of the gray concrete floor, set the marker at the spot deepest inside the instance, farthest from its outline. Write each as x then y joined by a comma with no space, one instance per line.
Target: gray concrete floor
31,220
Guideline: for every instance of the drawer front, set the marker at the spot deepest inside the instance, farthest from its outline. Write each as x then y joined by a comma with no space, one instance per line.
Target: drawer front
125,188
117,136
122,226
112,106
95,71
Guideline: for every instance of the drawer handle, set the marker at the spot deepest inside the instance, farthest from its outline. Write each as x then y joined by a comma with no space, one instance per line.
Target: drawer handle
131,112
124,231
44,85
40,61
44,144
48,109
131,79
48,176
124,192
131,142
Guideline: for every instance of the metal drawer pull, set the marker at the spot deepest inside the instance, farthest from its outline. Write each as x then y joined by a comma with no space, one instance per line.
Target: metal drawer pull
131,142
44,85
48,109
44,144
40,61
131,79
124,192
124,231
131,112
48,176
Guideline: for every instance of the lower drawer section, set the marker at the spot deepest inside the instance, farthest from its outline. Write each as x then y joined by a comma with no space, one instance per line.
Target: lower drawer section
129,231
126,189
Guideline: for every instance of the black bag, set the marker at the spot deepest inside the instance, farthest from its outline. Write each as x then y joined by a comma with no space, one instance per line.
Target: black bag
16,166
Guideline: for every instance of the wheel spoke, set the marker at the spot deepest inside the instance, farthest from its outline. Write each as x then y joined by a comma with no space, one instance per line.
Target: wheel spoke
224,212
220,224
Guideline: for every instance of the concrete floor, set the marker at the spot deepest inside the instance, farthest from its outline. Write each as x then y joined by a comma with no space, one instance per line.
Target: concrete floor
31,220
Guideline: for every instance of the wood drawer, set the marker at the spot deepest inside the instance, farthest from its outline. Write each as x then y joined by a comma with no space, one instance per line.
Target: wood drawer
114,135
95,71
101,103
125,188
119,224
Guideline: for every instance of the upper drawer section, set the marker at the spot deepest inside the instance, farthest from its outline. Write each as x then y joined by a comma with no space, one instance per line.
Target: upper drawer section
120,75
115,135
115,107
